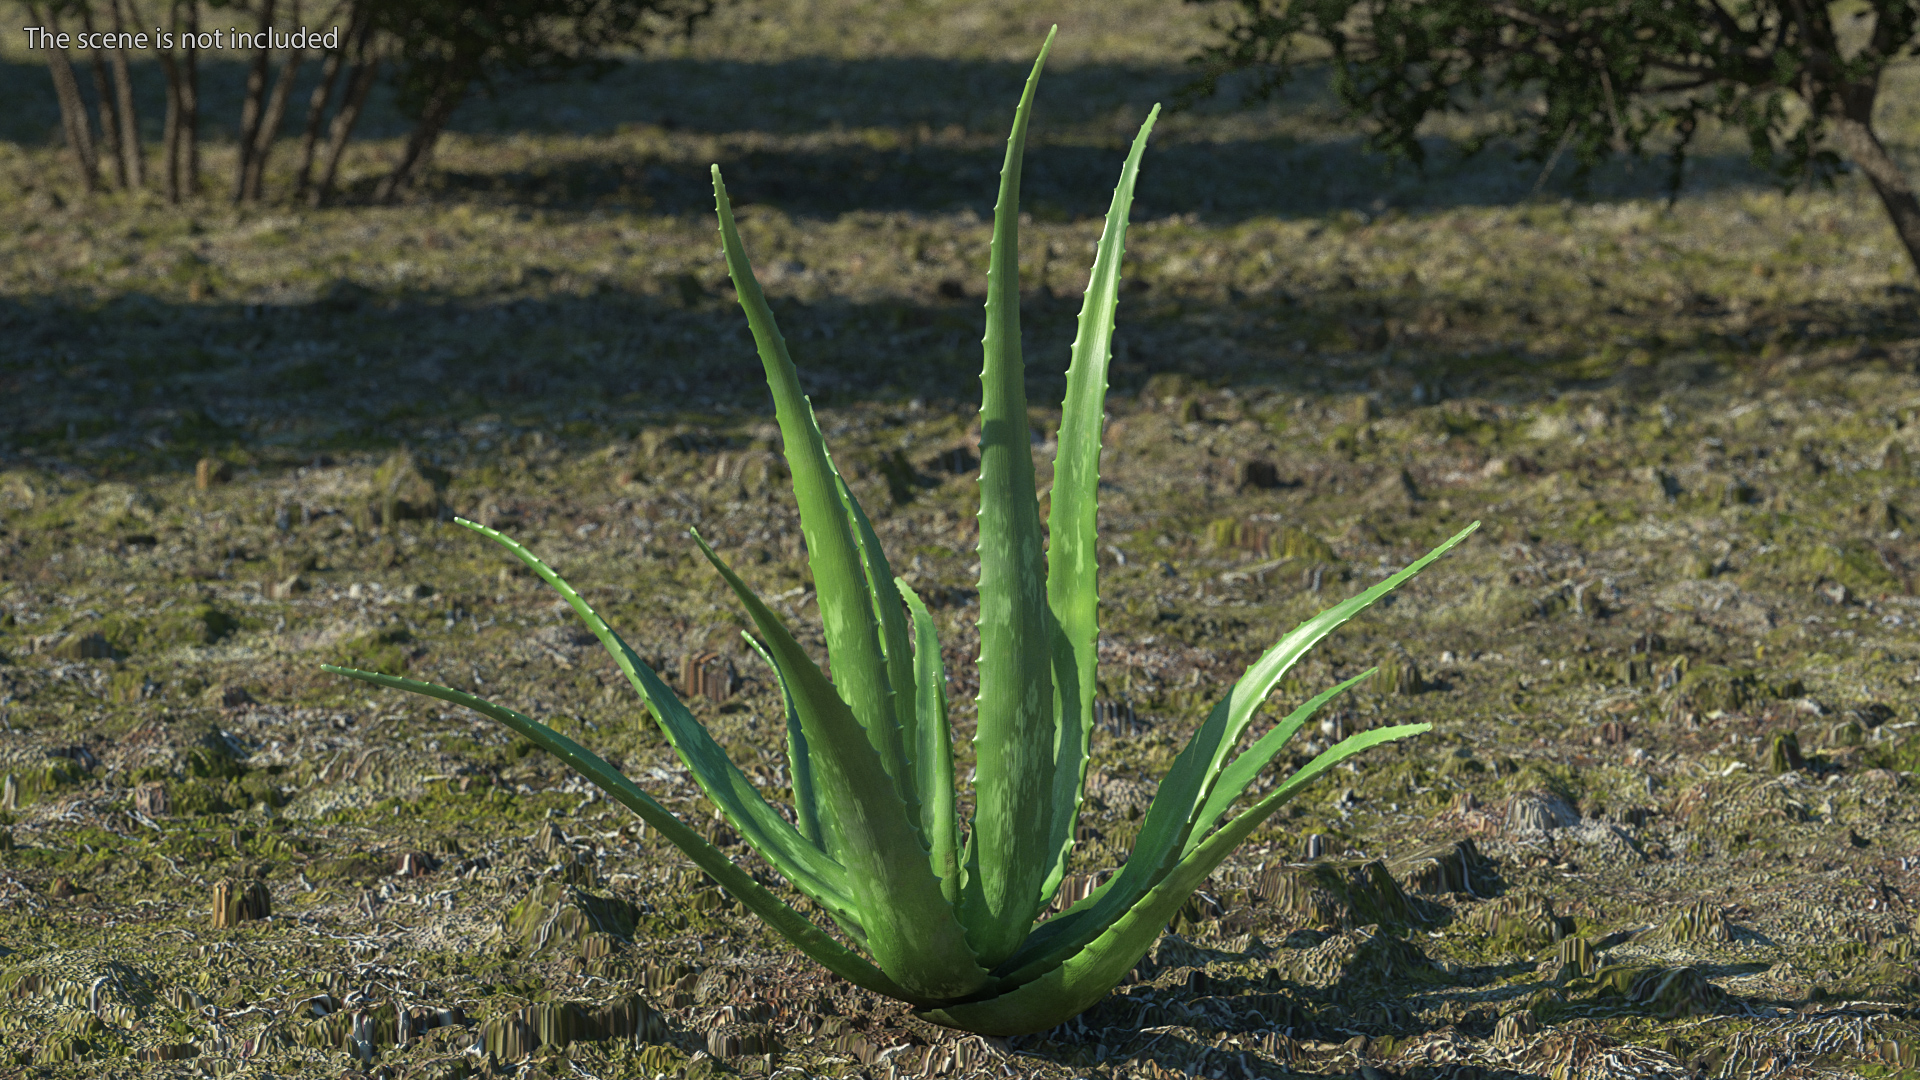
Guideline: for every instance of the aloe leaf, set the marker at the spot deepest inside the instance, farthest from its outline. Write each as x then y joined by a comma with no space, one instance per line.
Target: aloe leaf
846,610
1249,765
803,862
1171,817
1259,680
806,808
891,615
1086,976
789,923
1014,739
911,928
1081,922
1161,834
933,755
1072,552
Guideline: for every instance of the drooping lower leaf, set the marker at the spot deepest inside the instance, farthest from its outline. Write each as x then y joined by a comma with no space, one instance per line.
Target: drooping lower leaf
801,860
790,924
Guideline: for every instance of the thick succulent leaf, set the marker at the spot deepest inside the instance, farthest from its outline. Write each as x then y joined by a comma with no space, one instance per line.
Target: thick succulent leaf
1072,553
1161,835
911,928
933,754
1248,766
1266,672
840,577
1087,975
803,862
1014,739
806,807
1182,793
891,615
1084,920
790,924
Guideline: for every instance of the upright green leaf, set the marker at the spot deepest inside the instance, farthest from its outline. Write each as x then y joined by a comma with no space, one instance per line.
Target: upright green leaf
1014,740
790,924
933,755
1072,551
840,576
890,613
806,807
795,856
911,928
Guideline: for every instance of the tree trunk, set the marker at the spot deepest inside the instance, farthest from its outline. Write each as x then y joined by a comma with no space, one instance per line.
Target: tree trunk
190,105
357,88
170,134
111,141
251,112
73,110
322,95
129,120
439,109
170,126
1854,132
316,112
276,113
270,124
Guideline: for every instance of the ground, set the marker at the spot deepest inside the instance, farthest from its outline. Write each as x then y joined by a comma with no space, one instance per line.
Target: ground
1666,824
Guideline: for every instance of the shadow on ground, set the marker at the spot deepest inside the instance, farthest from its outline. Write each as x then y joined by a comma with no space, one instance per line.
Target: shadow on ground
823,138
1215,181
139,384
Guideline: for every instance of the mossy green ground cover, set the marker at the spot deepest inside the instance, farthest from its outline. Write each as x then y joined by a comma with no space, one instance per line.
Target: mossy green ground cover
1672,678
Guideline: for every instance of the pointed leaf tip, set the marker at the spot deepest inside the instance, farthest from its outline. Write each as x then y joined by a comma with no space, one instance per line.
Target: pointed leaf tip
1014,741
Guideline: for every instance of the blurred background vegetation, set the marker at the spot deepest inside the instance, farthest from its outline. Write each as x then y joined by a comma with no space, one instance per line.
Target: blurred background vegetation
446,218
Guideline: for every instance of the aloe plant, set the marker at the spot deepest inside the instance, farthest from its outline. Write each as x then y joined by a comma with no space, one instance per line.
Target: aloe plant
952,924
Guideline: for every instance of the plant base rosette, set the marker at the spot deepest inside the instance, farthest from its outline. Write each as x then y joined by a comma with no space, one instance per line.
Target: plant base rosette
931,913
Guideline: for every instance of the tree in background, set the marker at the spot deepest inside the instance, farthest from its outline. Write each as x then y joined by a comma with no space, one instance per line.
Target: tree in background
119,126
438,51
115,113
180,136
123,138
444,48
257,126
1799,78
358,56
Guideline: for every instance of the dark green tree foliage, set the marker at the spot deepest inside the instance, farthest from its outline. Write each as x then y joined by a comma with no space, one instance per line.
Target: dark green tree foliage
1799,78
444,48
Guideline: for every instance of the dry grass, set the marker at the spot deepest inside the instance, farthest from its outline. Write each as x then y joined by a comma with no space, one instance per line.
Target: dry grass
1689,432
